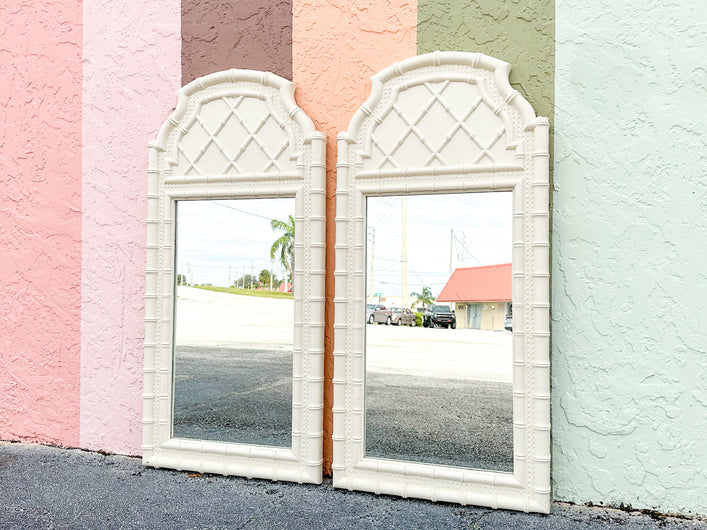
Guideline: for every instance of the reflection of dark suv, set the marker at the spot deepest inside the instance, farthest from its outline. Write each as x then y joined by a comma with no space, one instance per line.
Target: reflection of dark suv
439,315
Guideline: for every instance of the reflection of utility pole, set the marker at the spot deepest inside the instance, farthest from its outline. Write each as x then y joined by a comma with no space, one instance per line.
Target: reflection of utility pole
463,249
243,278
405,255
191,275
271,275
451,245
370,264
251,274
229,276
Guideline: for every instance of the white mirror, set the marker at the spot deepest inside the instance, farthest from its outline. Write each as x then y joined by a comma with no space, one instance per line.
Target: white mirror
456,409
234,321
441,265
234,324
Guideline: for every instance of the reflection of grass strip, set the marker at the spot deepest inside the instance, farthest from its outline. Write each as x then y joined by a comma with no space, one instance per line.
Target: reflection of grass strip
245,292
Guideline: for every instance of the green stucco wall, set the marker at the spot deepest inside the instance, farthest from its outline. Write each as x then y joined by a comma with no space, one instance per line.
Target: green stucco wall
624,85
520,33
629,258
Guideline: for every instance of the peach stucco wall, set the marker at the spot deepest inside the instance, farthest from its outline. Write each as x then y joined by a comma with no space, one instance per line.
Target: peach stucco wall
337,45
132,72
40,221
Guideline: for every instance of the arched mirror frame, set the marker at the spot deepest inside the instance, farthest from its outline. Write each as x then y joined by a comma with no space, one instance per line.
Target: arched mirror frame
296,169
527,177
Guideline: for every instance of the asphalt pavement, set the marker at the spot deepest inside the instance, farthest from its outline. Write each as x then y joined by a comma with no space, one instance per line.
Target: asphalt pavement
453,422
244,395
45,487
239,395
432,395
233,383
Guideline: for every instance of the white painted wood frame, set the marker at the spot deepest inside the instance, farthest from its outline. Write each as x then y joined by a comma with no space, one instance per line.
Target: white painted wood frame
237,134
446,122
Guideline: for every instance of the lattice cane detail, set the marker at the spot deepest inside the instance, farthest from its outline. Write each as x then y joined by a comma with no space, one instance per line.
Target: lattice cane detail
191,159
461,127
457,112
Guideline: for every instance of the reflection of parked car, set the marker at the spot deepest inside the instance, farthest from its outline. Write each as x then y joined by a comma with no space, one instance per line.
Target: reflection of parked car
400,316
371,309
381,315
509,322
439,315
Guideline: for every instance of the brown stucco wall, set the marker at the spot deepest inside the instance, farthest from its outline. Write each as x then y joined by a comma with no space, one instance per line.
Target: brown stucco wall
222,34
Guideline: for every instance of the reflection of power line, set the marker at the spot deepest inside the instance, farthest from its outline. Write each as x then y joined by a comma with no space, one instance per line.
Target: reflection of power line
429,284
468,252
222,265
242,211
377,271
394,273
382,216
417,276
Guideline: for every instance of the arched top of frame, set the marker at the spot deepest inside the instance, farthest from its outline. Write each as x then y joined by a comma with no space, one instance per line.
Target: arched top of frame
441,109
232,123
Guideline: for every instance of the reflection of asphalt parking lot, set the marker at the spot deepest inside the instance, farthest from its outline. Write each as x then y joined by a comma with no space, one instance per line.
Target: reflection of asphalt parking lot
440,395
438,352
437,395
443,421
233,395
222,319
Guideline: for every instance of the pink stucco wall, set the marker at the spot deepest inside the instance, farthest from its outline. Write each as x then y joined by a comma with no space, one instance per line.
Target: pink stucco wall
337,45
132,72
40,221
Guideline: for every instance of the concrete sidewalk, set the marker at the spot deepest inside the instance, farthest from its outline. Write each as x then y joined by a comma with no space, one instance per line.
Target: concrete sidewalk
47,487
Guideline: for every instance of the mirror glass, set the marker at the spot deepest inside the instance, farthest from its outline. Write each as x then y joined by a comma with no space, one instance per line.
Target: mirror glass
438,334
233,335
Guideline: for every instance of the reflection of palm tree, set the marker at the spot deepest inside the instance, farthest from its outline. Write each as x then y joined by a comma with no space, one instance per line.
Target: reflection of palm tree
285,244
425,297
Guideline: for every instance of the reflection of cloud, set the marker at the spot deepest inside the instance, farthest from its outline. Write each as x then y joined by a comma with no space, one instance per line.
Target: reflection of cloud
213,235
482,225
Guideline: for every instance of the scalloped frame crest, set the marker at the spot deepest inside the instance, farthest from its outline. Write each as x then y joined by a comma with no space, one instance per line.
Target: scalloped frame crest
502,148
237,134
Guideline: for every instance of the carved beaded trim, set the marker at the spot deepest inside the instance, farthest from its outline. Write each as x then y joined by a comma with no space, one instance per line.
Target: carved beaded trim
486,138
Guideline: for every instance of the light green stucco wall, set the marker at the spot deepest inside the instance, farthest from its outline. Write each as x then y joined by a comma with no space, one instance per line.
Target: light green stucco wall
624,85
629,254
520,33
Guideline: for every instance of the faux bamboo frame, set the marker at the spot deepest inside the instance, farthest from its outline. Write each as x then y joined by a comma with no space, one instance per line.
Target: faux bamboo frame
197,155
368,166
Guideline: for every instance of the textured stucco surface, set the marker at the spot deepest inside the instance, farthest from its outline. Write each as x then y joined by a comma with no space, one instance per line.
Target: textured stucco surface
337,45
629,219
520,33
222,34
40,220
629,250
131,76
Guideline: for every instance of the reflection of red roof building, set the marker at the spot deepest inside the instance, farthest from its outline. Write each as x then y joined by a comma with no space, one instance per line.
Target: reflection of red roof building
491,283
285,287
482,295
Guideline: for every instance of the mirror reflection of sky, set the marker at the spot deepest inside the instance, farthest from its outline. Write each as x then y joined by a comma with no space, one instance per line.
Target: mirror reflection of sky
213,235
482,235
